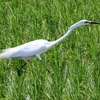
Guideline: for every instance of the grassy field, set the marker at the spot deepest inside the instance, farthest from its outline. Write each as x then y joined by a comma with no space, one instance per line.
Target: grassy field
74,64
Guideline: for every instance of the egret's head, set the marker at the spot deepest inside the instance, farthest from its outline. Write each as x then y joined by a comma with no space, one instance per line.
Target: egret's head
83,22
86,22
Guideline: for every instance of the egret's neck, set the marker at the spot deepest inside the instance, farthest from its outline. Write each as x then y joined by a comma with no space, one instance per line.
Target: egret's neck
64,36
60,39
74,26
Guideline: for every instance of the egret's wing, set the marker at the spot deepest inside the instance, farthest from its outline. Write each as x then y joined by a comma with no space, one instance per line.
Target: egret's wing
29,49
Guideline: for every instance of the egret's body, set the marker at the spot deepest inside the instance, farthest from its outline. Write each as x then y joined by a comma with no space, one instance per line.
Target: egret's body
28,51
33,49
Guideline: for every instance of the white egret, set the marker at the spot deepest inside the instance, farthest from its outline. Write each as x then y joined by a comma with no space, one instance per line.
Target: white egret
35,48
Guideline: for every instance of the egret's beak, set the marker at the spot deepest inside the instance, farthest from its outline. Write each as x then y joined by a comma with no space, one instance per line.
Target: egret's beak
91,22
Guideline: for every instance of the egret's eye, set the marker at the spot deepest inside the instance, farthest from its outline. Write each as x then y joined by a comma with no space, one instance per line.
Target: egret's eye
86,22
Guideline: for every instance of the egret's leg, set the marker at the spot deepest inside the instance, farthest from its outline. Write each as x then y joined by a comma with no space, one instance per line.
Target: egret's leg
20,69
23,66
45,65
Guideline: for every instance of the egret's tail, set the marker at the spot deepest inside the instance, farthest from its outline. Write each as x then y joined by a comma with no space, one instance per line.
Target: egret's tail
5,54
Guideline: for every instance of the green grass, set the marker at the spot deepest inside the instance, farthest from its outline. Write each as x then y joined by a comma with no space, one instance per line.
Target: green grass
74,63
